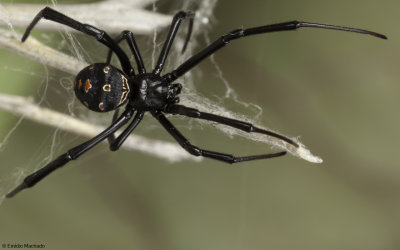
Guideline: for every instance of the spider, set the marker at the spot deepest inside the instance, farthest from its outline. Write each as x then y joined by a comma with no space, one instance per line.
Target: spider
102,87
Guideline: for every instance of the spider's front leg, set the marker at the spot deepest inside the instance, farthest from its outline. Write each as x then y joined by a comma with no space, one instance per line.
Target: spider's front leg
206,153
71,154
239,33
244,126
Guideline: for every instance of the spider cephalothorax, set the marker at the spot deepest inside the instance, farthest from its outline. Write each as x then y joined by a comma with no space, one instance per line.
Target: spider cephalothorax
152,92
102,87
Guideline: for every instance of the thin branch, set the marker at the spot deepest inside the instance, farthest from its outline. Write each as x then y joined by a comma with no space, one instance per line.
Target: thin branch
25,107
37,51
112,16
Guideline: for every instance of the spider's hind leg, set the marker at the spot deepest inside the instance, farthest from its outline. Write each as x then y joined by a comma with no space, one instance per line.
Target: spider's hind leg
206,153
116,142
111,139
71,154
100,35
130,39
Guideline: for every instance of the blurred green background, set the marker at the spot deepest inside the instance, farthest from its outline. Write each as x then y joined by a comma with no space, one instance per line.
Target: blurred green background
338,91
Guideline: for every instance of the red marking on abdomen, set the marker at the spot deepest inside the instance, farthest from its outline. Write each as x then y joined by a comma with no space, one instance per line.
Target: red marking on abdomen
87,85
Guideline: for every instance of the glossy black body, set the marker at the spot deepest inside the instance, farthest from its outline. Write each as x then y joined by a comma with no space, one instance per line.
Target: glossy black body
151,92
102,87
106,89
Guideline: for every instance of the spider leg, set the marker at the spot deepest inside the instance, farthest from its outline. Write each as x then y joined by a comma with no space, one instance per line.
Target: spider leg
247,127
130,39
100,35
238,33
206,153
112,138
176,21
115,143
71,154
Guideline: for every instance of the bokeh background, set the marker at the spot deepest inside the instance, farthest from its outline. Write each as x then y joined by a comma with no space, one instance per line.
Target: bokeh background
340,92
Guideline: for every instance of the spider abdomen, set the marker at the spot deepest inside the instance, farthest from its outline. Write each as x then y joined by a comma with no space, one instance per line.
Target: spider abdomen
101,87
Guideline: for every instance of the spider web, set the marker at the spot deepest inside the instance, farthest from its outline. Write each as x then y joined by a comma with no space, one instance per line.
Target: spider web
189,97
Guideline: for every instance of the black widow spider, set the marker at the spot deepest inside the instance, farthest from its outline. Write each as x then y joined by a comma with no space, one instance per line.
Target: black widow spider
102,87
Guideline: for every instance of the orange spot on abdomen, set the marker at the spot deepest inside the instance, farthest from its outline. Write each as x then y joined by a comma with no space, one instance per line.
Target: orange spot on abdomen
87,85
